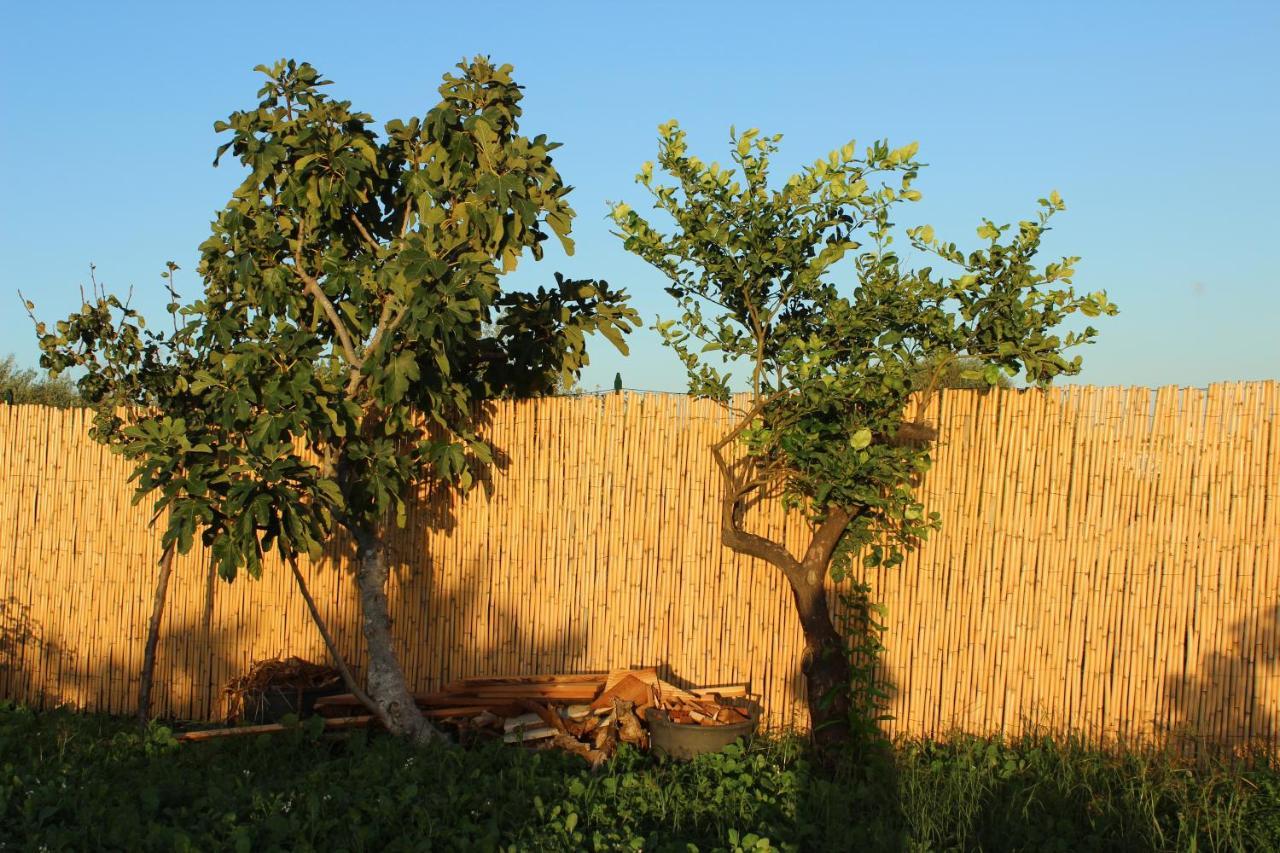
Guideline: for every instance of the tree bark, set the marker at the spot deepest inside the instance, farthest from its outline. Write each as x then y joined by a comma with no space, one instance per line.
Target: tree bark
385,679
153,635
825,665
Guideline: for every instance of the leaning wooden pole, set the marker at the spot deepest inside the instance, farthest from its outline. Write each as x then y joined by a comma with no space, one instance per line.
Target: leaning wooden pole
153,635
334,654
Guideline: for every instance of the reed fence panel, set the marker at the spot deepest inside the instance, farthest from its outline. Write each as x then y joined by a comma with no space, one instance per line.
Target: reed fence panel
1109,564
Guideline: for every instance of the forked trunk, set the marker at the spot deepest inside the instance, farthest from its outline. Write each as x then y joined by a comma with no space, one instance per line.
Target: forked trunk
385,681
825,666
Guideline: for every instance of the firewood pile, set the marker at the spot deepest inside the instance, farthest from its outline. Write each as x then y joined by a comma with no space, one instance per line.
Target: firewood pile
588,715
291,674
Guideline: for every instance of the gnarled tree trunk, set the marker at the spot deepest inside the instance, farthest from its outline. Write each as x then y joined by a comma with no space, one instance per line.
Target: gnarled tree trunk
825,666
385,679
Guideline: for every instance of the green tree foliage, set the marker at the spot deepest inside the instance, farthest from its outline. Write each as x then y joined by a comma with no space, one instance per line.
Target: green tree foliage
830,370
352,308
18,385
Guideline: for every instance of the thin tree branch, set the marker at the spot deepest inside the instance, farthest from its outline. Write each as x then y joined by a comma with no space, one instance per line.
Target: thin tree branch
153,634
364,232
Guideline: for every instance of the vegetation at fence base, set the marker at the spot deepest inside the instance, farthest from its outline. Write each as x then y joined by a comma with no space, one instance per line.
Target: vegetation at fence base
70,781
18,386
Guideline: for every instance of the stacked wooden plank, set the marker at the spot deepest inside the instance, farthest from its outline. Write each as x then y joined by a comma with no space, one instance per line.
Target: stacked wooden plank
588,715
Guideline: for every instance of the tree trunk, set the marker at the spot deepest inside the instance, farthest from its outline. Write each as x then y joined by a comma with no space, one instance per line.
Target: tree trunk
385,680
825,665
153,635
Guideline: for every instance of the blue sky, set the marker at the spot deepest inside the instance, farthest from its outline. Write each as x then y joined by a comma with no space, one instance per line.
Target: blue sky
1158,122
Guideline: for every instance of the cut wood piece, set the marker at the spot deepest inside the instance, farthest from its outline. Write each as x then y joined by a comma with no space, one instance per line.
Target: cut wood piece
330,724
344,704
574,678
709,708
572,695
567,692
526,735
485,719
629,689
576,712
594,757
457,711
605,739
590,689
527,720
738,691
630,730
545,714
648,675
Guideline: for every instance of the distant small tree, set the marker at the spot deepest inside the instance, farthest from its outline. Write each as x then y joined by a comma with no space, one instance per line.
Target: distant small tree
352,308
19,385
829,371
958,374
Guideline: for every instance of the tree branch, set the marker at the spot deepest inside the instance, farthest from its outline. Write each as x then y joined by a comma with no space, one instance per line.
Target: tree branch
731,532
364,232
751,544
826,537
153,634
344,337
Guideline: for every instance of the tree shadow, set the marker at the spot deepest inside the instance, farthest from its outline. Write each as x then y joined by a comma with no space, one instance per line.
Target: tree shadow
1215,709
22,639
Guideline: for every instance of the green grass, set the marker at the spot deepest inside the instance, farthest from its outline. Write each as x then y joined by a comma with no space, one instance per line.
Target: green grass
70,781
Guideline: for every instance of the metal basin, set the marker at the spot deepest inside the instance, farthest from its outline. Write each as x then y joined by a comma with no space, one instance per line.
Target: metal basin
685,740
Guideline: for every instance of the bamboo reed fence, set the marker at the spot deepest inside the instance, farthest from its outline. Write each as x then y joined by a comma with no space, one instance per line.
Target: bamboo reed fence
1109,564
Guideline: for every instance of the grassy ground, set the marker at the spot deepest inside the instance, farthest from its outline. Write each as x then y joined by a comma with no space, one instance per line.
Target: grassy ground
72,781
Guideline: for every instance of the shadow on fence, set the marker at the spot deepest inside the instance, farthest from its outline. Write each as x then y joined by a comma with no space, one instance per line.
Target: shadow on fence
1218,709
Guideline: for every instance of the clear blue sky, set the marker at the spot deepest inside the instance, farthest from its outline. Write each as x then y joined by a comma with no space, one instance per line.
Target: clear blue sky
1158,122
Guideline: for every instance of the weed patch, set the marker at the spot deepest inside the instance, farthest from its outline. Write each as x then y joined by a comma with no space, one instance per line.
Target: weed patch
73,781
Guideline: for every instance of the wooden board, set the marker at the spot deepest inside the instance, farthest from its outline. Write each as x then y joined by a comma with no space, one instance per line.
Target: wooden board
330,724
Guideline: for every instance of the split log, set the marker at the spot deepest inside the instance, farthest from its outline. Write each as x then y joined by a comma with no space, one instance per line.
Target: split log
524,735
594,757
527,720
629,728
545,714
